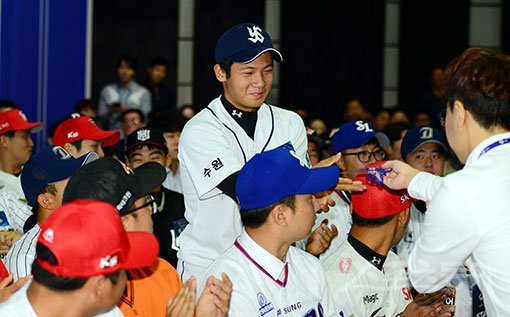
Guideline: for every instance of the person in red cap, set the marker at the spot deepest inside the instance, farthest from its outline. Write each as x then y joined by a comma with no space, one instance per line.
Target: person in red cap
80,135
15,148
365,276
79,272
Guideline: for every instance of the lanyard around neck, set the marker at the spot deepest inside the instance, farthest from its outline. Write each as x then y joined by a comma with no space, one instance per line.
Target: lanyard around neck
494,145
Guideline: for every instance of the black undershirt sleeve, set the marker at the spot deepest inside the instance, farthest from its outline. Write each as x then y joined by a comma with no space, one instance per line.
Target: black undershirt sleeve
228,186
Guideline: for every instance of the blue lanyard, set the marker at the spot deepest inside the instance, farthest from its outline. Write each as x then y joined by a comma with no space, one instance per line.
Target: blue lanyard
493,145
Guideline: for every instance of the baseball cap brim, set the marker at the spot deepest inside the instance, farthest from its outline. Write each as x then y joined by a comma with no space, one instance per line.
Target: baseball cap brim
320,179
147,178
132,146
109,137
143,250
250,55
34,127
429,141
68,169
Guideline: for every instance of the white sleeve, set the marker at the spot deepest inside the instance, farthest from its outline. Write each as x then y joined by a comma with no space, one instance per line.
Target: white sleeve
20,257
145,103
449,235
208,156
425,185
15,210
300,141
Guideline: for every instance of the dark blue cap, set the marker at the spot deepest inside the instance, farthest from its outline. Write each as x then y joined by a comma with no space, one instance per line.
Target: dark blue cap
417,136
243,43
270,176
50,165
355,134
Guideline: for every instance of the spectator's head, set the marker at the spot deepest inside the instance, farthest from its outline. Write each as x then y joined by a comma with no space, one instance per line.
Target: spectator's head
171,124
381,118
395,132
421,118
354,110
319,126
132,119
82,253
15,141
399,114
424,148
127,189
380,207
127,66
86,107
80,135
275,188
157,71
146,145
477,94
360,144
187,111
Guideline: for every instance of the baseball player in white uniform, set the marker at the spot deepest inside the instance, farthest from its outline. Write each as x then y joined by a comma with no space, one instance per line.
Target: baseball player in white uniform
364,275
270,277
221,138
50,166
351,138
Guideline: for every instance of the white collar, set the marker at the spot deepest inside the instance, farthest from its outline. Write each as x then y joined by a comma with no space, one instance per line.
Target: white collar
475,154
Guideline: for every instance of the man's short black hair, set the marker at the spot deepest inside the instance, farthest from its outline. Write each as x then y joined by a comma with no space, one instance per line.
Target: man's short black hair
6,103
130,60
133,110
254,218
366,222
158,60
58,283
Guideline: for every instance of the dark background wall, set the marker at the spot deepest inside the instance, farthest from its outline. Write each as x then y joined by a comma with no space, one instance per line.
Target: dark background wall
432,32
143,29
331,55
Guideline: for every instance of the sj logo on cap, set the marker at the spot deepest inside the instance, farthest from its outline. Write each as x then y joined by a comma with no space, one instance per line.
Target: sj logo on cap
255,35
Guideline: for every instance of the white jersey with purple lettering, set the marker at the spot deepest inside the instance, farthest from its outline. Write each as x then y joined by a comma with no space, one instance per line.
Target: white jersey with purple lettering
213,146
265,286
361,289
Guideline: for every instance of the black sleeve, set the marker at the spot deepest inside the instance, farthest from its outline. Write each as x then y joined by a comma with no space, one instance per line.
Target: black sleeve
228,186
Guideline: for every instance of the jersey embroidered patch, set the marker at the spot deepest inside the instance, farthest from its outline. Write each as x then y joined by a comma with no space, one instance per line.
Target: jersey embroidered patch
264,306
345,265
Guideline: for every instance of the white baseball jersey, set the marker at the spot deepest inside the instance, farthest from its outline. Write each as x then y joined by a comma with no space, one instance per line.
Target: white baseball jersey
19,305
340,216
360,289
14,211
462,280
21,255
212,147
11,183
263,285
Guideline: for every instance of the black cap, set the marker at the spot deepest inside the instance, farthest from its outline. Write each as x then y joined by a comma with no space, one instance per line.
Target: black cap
147,136
111,181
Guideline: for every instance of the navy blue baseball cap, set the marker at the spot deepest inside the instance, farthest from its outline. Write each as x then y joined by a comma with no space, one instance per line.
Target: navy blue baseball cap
417,136
355,134
270,176
243,43
50,165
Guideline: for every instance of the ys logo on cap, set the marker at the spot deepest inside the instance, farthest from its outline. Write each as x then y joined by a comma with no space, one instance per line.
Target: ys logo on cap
255,34
143,135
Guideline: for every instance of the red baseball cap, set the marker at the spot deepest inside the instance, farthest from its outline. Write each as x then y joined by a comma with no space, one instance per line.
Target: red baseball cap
83,128
378,201
15,120
87,238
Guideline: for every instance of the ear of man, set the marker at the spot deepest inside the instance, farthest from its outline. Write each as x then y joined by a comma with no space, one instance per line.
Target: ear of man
280,215
221,76
46,201
71,149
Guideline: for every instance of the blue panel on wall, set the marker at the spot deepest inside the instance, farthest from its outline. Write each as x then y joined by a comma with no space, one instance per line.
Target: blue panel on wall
42,57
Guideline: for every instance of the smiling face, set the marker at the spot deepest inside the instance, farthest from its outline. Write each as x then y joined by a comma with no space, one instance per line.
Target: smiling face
248,84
